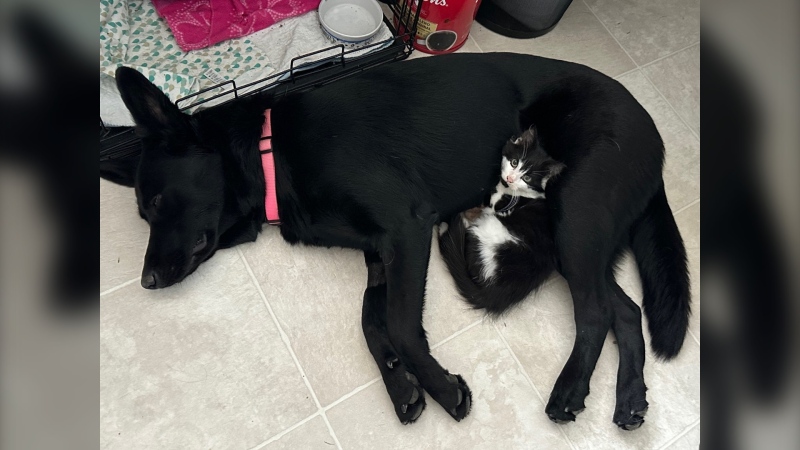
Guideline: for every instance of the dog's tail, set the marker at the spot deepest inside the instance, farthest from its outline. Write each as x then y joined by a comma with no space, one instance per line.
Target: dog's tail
495,297
661,256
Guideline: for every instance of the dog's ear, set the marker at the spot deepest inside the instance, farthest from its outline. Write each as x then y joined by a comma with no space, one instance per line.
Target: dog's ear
151,109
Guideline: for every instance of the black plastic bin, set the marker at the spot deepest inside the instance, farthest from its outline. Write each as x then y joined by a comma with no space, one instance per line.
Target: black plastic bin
521,19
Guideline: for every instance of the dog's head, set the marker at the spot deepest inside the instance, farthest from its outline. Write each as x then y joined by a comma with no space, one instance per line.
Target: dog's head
178,180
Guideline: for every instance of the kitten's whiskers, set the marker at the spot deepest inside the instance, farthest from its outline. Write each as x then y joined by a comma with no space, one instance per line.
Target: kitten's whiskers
512,203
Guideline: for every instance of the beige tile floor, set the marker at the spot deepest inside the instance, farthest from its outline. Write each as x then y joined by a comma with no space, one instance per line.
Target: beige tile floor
262,348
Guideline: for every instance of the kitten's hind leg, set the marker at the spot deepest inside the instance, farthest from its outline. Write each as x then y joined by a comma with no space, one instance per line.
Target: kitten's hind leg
471,215
401,384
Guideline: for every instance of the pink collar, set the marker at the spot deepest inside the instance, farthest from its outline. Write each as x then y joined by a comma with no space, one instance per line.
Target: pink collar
268,164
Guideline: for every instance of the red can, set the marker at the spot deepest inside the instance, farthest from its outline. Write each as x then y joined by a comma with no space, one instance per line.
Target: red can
443,25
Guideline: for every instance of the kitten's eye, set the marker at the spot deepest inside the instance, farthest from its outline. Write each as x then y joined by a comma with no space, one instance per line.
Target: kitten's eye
514,162
155,201
526,178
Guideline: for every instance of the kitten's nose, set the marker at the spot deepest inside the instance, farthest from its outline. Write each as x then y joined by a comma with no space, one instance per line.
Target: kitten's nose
510,178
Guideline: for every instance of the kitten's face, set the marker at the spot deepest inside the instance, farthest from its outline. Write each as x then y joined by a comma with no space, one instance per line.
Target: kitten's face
526,167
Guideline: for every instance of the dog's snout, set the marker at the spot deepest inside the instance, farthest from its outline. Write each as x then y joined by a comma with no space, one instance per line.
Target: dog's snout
149,280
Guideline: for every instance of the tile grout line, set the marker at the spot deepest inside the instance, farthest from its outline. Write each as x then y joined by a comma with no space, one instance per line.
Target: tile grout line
352,393
659,59
475,41
457,334
530,381
514,355
693,336
118,287
680,210
635,69
660,94
285,339
285,432
611,34
683,433
330,429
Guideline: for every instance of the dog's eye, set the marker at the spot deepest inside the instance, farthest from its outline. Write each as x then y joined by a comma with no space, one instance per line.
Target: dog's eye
526,178
156,201
514,162
201,243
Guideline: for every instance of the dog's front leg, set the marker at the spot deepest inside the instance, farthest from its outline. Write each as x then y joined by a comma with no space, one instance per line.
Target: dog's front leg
401,383
406,262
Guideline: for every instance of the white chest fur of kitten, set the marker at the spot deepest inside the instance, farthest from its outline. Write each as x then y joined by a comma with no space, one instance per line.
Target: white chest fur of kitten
491,233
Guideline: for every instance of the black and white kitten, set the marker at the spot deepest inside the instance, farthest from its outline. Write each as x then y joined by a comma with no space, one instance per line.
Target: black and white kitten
499,254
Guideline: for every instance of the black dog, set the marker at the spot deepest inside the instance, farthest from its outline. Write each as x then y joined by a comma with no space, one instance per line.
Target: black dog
374,161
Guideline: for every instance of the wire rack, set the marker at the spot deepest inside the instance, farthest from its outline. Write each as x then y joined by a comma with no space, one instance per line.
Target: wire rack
306,72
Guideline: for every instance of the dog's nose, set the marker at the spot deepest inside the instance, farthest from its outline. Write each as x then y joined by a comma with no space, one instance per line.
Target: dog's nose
149,281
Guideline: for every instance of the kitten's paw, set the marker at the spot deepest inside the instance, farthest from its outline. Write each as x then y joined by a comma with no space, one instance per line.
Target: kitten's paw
472,215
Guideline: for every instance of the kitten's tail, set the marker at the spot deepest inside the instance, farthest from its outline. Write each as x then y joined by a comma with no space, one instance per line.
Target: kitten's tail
494,297
661,256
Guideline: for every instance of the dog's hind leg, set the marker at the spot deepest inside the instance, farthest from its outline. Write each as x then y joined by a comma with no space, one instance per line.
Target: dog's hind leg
401,384
406,258
584,253
631,398
593,316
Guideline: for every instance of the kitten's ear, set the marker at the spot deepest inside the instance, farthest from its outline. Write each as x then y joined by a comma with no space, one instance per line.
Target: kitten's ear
556,168
151,109
528,137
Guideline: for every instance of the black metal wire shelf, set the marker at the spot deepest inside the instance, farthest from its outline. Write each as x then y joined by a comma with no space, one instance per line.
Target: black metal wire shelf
306,72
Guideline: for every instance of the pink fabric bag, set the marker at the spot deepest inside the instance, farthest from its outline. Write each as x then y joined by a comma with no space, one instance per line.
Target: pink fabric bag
199,23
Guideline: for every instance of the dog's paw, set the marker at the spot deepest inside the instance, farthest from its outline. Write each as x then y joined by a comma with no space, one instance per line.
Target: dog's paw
454,395
404,390
464,401
630,415
565,415
564,406
409,408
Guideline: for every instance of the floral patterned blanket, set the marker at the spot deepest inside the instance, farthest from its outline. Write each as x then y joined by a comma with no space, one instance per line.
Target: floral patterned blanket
134,35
